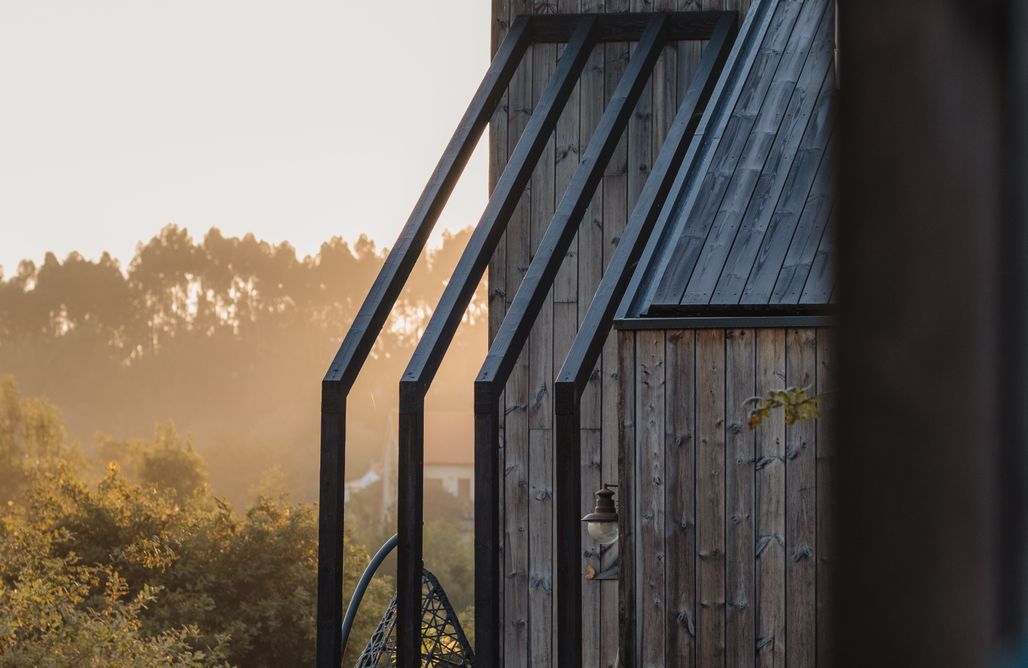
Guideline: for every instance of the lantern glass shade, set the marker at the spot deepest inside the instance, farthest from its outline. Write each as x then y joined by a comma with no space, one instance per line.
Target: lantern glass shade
602,523
603,533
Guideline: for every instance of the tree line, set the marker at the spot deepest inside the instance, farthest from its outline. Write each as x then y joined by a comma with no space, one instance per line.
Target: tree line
230,337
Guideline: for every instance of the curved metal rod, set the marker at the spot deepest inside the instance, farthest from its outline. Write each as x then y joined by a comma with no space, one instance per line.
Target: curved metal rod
362,586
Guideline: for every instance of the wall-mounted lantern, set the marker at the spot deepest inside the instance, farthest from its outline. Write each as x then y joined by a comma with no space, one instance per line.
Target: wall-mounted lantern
602,522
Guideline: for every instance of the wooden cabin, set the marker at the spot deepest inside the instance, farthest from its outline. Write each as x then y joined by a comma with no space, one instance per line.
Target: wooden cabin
658,246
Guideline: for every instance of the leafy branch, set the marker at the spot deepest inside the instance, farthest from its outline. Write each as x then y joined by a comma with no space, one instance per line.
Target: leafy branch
797,403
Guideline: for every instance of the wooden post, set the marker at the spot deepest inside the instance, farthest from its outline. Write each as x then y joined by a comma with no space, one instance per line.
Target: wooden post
592,339
487,528
360,338
443,325
330,526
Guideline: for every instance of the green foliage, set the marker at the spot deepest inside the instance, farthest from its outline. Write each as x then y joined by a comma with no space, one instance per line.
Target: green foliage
226,335
796,403
32,438
60,612
116,573
172,464
168,461
450,555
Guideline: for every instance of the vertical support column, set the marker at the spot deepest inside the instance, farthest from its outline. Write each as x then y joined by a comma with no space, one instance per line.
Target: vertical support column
410,518
488,494
627,608
330,524
589,344
567,494
368,323
439,332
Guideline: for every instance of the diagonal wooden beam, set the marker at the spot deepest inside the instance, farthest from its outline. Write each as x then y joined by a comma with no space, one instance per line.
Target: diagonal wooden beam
585,349
510,340
517,323
367,325
626,27
441,327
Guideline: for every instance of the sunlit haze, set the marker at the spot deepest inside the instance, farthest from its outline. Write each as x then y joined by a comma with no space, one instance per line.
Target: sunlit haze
295,121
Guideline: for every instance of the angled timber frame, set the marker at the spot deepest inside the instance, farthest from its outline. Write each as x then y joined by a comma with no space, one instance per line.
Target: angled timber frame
580,33
620,278
517,324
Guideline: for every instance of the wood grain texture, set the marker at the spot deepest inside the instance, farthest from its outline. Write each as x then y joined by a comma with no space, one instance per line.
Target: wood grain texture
540,546
542,194
516,396
527,403
747,228
740,385
826,507
496,277
770,148
769,552
599,598
680,503
640,133
710,496
592,609
795,225
540,410
628,626
664,85
614,217
730,237
739,588
650,421
820,285
610,436
761,246
800,504
733,141
566,159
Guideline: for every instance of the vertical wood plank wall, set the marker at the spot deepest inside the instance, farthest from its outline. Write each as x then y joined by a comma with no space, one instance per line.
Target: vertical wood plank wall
526,433
733,557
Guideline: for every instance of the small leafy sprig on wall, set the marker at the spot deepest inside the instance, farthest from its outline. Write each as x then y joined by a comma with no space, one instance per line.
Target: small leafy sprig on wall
798,404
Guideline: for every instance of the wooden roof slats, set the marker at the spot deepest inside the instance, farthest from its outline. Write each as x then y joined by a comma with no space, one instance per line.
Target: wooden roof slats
772,141
724,284
746,231
760,21
715,183
820,284
807,236
766,264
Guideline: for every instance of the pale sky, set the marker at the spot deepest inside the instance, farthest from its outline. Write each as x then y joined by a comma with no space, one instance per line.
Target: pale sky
294,120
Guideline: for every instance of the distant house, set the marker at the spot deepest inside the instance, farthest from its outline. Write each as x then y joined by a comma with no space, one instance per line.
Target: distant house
449,455
370,477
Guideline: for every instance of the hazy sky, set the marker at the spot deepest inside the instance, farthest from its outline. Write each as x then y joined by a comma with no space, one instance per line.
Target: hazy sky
293,120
